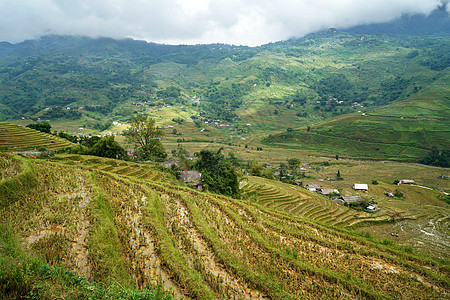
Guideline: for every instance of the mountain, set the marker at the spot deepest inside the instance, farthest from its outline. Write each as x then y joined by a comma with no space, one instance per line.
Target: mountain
436,23
75,82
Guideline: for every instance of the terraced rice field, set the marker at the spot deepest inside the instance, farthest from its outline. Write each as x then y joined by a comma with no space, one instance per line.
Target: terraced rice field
129,169
20,138
300,202
120,228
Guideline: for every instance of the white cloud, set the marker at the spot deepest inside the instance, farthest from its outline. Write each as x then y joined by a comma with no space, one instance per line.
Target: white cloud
248,22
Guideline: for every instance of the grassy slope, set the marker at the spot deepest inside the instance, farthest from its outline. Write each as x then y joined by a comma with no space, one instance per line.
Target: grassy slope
403,130
197,243
396,138
383,134
19,138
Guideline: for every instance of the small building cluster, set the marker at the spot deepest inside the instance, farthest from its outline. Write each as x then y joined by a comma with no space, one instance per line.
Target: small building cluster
335,196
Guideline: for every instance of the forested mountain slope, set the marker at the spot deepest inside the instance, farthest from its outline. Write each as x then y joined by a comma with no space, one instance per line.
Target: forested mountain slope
89,83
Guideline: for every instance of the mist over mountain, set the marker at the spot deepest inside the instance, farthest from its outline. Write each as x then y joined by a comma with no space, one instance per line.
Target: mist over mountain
436,23
175,22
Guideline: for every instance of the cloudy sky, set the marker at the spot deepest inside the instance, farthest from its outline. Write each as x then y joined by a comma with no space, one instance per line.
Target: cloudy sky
239,22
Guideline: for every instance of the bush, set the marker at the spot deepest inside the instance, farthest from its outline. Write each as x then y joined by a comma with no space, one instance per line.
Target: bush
107,147
437,158
43,127
398,193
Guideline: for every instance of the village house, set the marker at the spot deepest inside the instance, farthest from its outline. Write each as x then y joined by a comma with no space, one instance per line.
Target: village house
312,187
193,178
406,181
372,207
360,187
327,192
170,163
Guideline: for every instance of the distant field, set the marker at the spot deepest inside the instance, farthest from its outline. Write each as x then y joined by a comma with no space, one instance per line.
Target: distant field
373,137
19,138
301,202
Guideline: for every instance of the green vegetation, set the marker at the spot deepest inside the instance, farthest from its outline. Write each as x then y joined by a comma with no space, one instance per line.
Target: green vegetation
107,147
218,174
375,137
42,127
437,158
18,178
145,138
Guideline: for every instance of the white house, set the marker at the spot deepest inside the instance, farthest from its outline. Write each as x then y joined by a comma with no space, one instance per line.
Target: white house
360,187
406,181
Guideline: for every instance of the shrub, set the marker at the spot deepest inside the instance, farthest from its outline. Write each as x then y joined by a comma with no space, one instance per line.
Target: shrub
398,193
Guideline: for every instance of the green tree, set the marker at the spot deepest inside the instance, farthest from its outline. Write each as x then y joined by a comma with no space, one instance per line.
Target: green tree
437,158
183,157
234,160
146,138
43,127
293,163
255,168
218,174
267,173
398,193
89,141
107,147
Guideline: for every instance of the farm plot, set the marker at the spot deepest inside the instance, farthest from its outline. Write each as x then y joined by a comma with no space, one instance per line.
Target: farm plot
136,232
130,169
307,251
300,202
20,138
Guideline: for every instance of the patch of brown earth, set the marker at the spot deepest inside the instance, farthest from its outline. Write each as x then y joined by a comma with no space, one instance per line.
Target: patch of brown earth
232,286
145,262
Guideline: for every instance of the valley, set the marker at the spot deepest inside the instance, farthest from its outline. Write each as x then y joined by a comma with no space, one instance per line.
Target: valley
315,167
